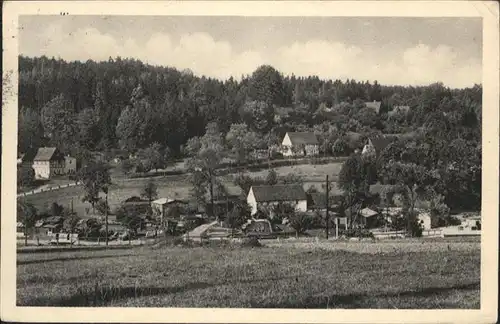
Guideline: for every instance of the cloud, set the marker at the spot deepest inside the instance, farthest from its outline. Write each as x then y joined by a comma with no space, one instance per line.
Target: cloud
201,53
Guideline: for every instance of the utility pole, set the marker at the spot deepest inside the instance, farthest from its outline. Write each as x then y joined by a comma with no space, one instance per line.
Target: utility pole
327,217
106,215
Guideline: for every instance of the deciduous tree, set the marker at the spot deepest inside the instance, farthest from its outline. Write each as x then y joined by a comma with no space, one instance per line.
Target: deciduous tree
95,178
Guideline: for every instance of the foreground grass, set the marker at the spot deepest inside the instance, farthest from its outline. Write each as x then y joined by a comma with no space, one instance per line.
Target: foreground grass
268,277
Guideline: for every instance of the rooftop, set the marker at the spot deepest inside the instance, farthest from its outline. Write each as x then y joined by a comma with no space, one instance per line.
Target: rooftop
375,105
282,192
305,138
46,154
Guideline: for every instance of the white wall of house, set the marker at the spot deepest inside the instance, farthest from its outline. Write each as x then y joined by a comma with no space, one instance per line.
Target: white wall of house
158,209
425,218
252,202
299,205
286,146
42,169
368,148
47,169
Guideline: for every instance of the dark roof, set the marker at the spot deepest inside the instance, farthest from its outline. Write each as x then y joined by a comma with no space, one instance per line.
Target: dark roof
381,142
375,105
53,220
306,138
134,199
378,188
353,136
282,192
46,154
29,155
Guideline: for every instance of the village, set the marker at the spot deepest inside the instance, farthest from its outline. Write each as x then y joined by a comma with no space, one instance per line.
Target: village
282,162
269,204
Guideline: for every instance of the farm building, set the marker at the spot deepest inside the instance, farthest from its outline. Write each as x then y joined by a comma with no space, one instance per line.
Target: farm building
160,206
47,162
368,217
472,221
300,144
375,105
266,196
136,205
377,144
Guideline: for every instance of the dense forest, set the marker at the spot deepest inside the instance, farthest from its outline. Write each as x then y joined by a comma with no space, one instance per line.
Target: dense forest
125,105
130,105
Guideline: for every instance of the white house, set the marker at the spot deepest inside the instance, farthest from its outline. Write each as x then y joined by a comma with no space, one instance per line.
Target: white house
300,144
374,105
160,206
377,144
70,165
48,161
425,219
268,196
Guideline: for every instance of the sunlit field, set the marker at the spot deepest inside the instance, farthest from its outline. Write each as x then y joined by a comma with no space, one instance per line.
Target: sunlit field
172,186
412,274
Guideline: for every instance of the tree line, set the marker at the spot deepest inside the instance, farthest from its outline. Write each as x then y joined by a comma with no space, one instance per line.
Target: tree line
128,105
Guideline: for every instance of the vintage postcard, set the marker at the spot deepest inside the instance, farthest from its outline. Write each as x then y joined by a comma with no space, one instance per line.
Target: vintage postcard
250,162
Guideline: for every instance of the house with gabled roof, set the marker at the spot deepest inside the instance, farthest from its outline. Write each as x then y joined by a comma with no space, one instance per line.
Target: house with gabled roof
300,144
47,162
377,144
269,196
375,105
160,206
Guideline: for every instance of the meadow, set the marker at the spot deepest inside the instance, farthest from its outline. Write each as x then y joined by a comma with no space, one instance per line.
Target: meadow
171,186
390,275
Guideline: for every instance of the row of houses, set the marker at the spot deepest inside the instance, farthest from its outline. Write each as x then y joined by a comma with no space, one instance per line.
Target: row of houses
307,144
266,197
47,162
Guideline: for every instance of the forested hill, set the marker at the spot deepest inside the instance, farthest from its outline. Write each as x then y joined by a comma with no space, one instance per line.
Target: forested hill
129,105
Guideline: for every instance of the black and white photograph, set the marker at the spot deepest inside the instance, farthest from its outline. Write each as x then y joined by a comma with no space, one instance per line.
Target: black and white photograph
265,161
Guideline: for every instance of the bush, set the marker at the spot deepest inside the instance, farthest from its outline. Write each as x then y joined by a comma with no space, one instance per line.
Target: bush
250,242
357,232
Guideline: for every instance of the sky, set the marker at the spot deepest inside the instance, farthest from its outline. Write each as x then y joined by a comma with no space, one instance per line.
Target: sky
391,50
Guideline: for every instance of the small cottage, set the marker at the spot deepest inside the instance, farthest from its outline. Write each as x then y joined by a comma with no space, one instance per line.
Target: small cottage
377,144
48,162
160,206
300,144
374,105
268,196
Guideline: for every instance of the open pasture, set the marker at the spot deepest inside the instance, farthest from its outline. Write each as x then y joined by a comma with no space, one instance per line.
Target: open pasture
172,186
286,276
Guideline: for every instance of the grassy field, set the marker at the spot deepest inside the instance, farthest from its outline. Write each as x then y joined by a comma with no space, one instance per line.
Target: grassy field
175,186
324,275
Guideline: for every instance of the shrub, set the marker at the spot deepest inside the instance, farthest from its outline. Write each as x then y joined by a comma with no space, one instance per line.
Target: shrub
250,242
300,222
357,232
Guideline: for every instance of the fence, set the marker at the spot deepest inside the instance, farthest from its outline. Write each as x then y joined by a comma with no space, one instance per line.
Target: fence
35,191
